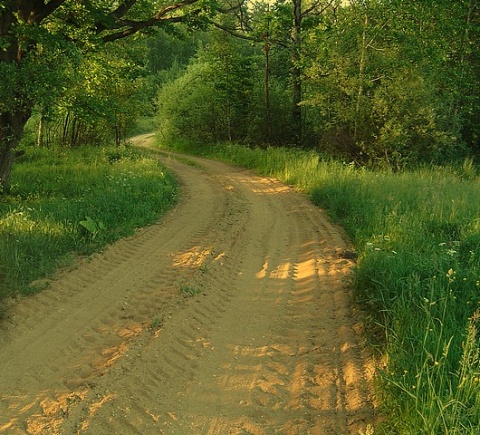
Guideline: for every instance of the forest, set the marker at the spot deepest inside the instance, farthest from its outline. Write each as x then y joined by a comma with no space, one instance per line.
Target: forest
375,100
380,83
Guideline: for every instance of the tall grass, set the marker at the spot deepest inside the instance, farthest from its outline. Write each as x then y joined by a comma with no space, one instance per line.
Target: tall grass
418,275
66,201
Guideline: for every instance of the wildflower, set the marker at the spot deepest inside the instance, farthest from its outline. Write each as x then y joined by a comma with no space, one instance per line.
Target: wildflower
450,275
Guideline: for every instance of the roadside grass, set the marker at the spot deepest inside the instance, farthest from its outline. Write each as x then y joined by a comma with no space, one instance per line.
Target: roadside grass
417,234
65,202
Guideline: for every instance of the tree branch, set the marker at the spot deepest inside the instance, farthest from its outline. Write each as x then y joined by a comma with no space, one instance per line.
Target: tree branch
129,27
235,32
122,9
42,10
315,5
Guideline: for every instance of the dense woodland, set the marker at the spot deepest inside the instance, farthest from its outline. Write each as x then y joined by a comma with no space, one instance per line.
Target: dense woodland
387,83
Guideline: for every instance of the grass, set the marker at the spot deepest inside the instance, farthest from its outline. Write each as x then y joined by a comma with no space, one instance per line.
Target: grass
64,202
417,234
188,291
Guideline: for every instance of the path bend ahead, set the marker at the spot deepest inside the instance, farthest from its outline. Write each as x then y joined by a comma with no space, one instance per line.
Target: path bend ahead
231,315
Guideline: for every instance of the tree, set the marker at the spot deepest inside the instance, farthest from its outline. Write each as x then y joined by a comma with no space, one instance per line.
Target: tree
395,82
212,99
302,12
37,35
270,26
104,92
281,25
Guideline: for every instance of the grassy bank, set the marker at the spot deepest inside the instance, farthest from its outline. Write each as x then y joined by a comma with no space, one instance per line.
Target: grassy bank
68,201
418,274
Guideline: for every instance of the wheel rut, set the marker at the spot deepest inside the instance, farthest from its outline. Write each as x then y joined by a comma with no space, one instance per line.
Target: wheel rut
231,315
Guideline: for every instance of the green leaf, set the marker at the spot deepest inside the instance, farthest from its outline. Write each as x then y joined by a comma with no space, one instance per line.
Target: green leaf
90,225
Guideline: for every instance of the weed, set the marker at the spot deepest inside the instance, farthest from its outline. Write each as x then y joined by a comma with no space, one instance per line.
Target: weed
92,227
189,291
156,323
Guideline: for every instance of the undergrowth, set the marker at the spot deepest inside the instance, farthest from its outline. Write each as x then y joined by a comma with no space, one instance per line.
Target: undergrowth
64,202
417,234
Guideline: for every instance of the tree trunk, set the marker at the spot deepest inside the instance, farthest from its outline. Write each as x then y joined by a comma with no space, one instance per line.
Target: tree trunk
296,71
118,135
266,49
40,131
361,79
66,124
6,163
74,132
11,130
268,112
460,98
13,117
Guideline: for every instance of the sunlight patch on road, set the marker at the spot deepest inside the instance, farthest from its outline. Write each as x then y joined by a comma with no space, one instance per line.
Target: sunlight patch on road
94,408
263,272
193,257
51,411
281,272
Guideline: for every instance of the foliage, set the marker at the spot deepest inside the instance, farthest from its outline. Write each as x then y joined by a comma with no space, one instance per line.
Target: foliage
38,40
212,99
74,201
394,82
166,49
104,92
187,290
386,84
92,227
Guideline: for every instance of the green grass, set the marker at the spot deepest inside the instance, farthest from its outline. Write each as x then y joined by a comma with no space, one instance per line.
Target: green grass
65,202
417,234
188,290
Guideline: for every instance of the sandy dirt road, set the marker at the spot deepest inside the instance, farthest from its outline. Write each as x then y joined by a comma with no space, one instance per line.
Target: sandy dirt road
231,315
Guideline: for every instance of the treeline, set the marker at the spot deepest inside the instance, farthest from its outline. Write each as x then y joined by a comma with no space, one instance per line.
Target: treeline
384,83
390,83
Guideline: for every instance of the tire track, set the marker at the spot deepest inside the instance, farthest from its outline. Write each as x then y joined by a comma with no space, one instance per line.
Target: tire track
288,381
104,294
229,316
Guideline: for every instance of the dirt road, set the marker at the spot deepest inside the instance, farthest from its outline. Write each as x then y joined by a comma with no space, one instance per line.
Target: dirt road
231,315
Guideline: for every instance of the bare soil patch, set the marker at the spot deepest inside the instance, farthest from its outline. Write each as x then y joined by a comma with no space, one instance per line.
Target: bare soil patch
231,315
